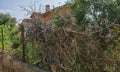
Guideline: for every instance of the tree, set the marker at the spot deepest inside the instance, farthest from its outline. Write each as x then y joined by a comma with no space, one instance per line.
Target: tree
31,7
98,12
7,24
6,19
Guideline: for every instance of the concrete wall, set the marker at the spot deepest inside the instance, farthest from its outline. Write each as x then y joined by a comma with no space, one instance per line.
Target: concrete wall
9,64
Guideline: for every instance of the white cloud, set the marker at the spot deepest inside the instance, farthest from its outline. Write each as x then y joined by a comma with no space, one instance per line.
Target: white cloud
6,11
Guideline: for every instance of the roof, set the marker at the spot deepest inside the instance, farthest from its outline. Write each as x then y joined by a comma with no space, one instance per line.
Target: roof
50,16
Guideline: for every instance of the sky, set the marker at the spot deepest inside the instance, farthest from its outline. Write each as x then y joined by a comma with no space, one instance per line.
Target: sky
13,8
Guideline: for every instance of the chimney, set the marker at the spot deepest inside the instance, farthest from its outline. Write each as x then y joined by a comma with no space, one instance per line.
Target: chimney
47,8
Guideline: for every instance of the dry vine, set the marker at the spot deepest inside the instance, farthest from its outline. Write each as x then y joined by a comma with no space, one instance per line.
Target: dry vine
65,48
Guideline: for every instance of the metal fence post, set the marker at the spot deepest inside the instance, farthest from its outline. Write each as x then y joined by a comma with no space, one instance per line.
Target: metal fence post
2,39
23,42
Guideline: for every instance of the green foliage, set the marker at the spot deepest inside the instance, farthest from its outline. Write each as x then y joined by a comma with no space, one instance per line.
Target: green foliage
32,50
96,12
7,23
80,9
6,19
62,22
59,22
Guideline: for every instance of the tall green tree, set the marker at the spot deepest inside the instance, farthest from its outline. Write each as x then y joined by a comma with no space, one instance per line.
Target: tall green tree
7,24
96,12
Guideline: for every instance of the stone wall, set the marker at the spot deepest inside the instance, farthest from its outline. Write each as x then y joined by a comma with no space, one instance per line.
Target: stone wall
9,64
